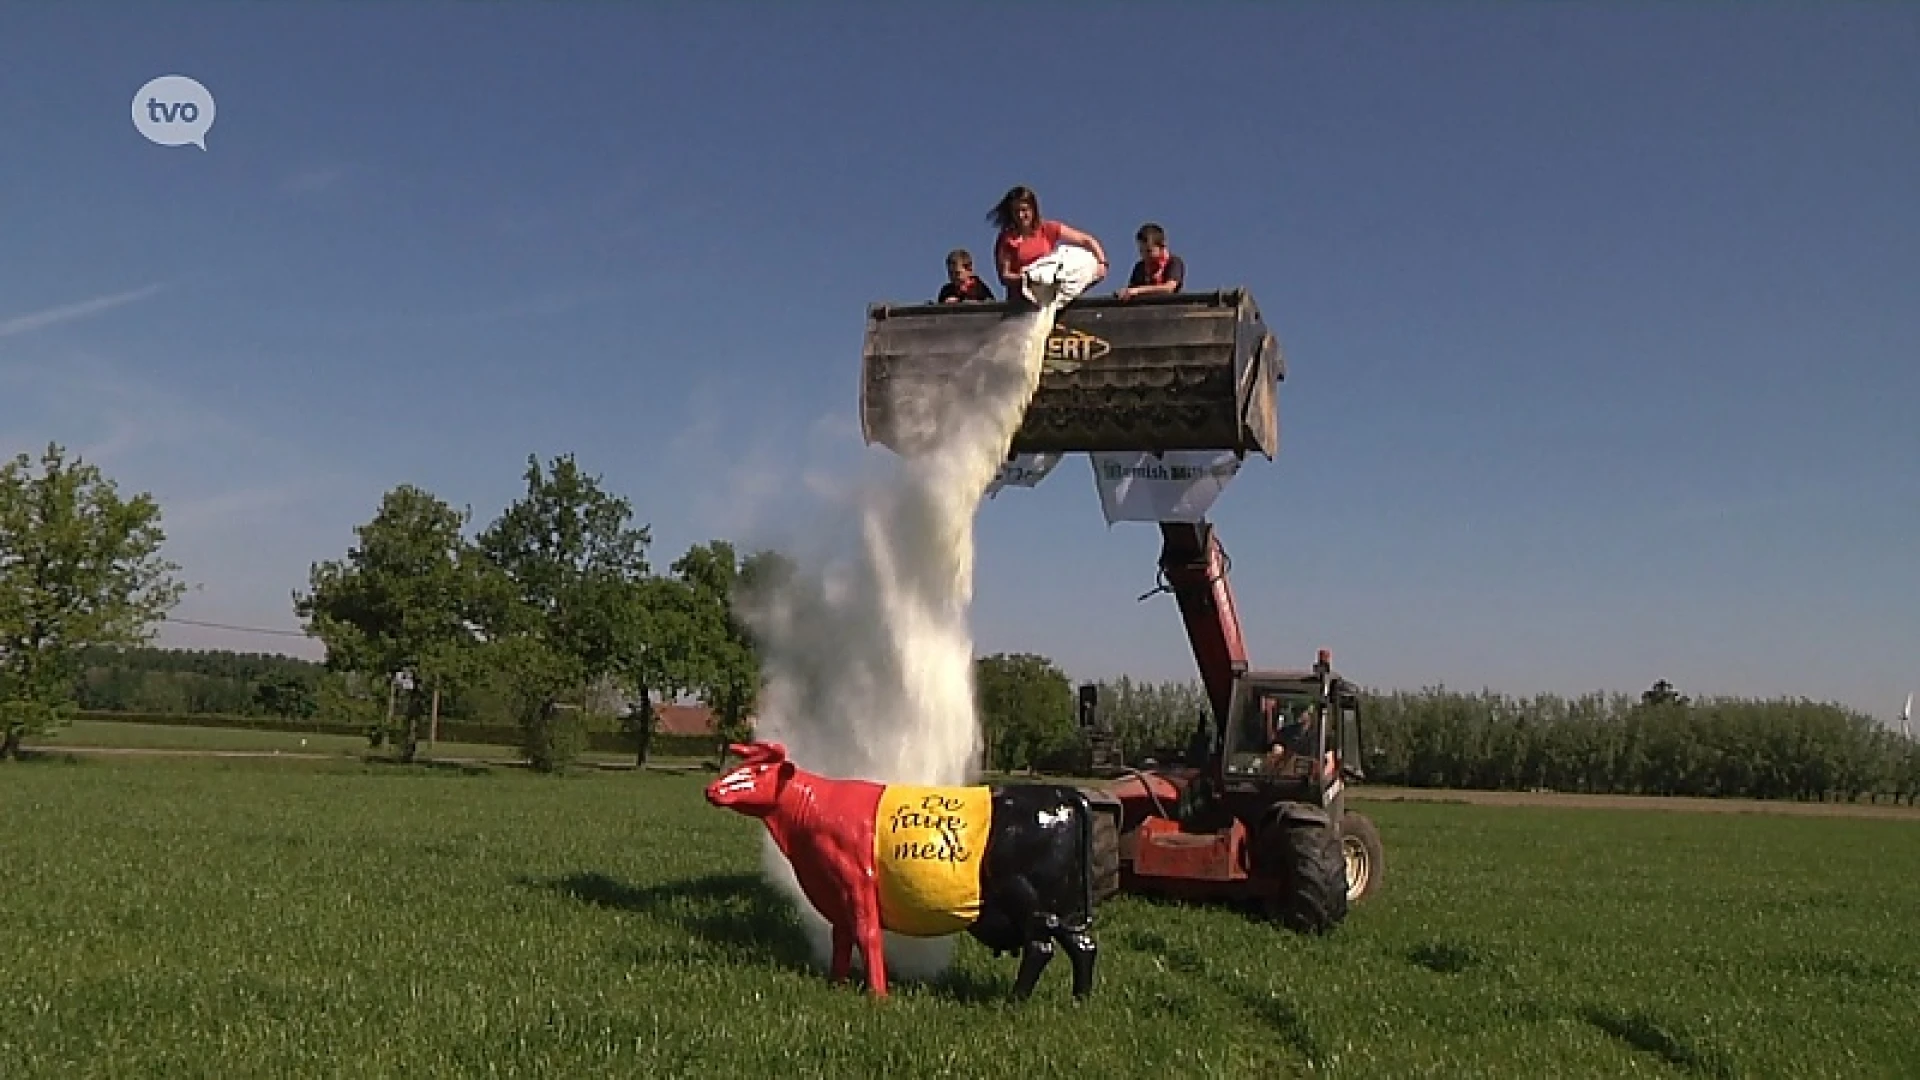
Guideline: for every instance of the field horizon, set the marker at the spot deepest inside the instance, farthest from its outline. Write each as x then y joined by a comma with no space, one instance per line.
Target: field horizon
92,737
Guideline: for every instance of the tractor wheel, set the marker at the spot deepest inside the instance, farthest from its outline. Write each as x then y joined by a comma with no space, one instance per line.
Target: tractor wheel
1365,857
1105,856
1306,854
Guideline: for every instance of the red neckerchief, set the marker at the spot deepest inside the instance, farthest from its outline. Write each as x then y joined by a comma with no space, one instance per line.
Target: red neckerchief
1157,268
964,286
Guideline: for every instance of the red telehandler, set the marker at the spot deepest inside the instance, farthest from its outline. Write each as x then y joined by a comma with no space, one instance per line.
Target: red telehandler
1255,810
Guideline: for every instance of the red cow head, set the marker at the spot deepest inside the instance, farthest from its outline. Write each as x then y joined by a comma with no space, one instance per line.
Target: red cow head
753,786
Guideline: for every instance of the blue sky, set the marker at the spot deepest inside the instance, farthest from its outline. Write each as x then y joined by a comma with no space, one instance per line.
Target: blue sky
1603,325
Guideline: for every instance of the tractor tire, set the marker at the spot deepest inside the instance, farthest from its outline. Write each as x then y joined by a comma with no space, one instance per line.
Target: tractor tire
1305,852
1103,856
1364,855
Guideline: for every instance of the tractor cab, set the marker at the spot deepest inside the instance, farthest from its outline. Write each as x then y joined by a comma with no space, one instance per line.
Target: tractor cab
1290,735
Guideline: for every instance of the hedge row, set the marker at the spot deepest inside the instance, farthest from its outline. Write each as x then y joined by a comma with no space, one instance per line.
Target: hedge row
614,742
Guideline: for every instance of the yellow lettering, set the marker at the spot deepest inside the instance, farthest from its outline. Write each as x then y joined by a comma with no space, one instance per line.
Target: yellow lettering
1076,346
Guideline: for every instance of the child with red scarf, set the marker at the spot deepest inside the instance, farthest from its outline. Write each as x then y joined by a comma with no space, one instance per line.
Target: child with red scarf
1159,271
963,285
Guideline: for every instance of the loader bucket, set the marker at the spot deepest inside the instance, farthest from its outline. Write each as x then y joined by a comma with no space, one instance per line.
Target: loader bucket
1193,371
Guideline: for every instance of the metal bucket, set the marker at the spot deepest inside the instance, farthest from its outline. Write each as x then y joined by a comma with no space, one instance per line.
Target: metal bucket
1194,371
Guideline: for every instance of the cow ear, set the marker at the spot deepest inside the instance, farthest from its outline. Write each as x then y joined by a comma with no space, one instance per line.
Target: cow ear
759,753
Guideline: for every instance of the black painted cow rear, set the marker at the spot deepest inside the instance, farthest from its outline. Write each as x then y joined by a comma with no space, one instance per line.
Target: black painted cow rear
1037,881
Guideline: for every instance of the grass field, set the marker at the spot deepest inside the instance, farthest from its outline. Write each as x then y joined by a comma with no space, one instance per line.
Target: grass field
331,918
108,734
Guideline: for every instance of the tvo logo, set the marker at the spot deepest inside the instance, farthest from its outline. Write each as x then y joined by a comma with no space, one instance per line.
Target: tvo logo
173,110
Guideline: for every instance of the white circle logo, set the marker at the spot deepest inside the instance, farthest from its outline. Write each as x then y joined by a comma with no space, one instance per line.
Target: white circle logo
174,110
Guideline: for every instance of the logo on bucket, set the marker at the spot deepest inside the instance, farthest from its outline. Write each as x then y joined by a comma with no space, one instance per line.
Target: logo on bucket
1068,349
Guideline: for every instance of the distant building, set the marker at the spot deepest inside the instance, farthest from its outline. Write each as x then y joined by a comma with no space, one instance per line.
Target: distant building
679,718
683,720
688,720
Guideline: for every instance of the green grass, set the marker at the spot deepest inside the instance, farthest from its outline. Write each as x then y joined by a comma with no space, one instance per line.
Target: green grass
134,736
240,918
106,733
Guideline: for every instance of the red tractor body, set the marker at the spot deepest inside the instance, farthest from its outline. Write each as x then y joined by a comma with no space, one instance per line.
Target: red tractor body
1256,809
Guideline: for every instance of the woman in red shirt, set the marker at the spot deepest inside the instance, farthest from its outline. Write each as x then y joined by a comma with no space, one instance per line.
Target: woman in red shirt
1025,236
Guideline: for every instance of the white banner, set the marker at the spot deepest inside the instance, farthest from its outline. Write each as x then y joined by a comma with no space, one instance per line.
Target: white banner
1179,485
1025,470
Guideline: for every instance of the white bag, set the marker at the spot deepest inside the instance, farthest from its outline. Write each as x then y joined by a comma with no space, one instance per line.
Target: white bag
1055,279
1025,470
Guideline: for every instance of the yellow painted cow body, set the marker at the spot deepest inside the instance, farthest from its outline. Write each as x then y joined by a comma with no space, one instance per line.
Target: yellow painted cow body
929,844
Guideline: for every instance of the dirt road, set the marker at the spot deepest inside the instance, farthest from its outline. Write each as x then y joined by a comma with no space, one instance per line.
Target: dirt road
51,750
1570,801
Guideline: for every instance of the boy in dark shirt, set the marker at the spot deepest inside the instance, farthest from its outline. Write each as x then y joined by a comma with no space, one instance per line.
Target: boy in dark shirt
963,285
1159,271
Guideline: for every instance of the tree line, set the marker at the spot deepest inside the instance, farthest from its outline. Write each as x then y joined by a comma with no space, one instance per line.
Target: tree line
552,613
1660,742
197,681
552,618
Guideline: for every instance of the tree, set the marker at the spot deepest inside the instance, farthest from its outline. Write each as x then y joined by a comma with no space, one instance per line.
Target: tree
729,681
1662,693
80,567
406,603
672,659
537,683
353,697
1154,719
287,698
1026,706
578,574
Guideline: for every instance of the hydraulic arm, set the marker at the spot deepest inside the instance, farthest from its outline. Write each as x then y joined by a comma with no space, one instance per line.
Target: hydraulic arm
1194,566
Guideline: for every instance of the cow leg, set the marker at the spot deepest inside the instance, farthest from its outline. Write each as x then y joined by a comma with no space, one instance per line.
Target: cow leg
1035,957
872,947
842,953
1081,953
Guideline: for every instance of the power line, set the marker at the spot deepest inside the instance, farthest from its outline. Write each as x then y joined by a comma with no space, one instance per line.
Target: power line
238,629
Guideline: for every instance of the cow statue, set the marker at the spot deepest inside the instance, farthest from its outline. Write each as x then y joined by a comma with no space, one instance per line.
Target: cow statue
1009,865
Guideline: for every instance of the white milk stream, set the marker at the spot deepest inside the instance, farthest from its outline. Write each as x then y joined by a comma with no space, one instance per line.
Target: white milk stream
869,663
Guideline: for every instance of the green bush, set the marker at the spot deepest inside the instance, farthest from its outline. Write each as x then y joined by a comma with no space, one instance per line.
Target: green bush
20,718
554,738
1618,744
